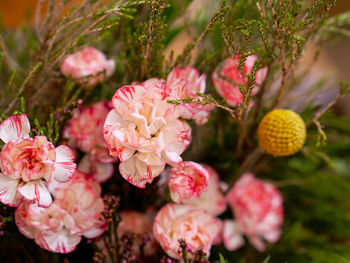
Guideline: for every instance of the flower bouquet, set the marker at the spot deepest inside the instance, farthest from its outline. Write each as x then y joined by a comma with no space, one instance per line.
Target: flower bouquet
173,131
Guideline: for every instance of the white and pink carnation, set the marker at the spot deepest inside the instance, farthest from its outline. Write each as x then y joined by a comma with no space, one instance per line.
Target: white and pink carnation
144,132
188,181
28,164
88,63
227,78
187,83
52,228
81,198
75,212
84,131
212,200
197,227
258,210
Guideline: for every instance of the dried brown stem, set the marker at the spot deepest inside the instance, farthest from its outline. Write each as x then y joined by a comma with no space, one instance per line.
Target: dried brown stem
260,96
21,89
201,36
292,182
325,109
9,61
281,48
251,159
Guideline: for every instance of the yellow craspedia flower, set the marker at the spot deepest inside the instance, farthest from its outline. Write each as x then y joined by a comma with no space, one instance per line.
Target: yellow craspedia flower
281,132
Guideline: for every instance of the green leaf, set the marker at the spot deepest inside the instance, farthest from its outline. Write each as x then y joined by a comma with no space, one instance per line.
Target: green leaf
267,259
222,259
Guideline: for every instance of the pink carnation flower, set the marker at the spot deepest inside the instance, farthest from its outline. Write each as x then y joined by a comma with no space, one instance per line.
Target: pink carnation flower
258,210
188,83
84,131
52,228
28,163
90,63
174,222
144,131
81,198
76,211
212,200
189,180
229,69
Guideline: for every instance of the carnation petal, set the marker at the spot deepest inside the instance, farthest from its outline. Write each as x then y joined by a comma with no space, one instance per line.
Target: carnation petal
100,171
23,227
103,171
61,242
257,242
172,158
138,173
232,237
96,230
64,166
8,191
125,95
14,127
177,135
36,190
273,235
110,67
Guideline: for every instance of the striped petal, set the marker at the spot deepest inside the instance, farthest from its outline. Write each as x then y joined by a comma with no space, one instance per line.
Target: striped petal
61,242
14,127
8,191
64,166
36,190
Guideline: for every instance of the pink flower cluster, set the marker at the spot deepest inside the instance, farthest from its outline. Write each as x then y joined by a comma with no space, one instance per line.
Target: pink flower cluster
75,212
227,78
257,206
88,66
197,188
84,131
34,171
57,205
258,210
28,164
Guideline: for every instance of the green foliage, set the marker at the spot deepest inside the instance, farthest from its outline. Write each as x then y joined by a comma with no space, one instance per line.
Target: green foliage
222,259
267,260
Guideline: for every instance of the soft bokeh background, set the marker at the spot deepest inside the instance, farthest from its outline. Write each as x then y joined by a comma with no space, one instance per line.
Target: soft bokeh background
334,59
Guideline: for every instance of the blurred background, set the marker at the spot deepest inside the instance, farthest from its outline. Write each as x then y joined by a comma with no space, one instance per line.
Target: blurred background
334,59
